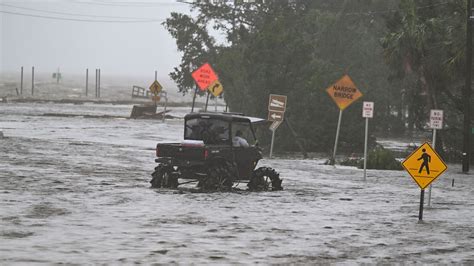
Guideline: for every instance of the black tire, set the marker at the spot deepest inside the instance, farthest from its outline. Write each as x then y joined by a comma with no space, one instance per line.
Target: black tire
265,179
219,178
163,177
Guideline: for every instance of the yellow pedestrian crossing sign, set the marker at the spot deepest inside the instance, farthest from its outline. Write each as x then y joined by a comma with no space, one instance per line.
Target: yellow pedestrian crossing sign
155,87
424,165
216,88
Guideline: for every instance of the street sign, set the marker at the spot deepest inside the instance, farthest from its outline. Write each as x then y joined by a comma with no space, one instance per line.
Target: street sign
275,125
368,110
436,119
277,103
216,88
424,165
204,76
344,92
275,116
155,87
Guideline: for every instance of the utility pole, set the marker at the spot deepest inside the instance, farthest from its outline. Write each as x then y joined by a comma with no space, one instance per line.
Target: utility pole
96,81
21,83
467,90
87,81
57,76
32,81
98,94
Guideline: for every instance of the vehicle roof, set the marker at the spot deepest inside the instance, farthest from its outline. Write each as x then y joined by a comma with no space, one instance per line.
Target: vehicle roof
234,117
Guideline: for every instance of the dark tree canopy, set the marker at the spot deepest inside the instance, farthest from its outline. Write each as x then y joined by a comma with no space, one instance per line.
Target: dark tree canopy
405,55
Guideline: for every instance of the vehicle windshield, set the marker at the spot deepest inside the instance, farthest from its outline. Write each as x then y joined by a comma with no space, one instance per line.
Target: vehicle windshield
211,131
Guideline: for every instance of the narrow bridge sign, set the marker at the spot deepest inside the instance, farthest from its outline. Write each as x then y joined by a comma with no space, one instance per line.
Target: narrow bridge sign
344,92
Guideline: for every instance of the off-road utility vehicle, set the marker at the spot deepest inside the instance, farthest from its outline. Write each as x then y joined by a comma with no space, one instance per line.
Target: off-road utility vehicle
207,155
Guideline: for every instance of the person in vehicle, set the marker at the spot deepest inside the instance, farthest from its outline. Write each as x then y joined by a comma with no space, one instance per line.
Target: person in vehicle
238,140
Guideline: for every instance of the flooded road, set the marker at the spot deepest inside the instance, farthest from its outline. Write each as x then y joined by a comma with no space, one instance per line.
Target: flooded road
75,190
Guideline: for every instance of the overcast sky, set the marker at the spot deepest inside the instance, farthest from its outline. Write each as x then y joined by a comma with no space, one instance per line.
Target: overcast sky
119,48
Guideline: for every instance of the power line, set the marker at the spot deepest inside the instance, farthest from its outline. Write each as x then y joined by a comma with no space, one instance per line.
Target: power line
81,20
72,14
126,4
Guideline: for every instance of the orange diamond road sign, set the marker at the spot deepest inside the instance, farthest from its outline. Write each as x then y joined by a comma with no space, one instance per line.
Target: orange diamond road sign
155,87
216,88
424,165
204,76
344,92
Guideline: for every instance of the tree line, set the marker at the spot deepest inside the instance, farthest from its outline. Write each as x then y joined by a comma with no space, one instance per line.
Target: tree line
407,56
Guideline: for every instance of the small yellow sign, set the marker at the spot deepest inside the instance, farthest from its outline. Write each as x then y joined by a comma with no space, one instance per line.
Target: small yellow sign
216,88
155,87
424,165
344,92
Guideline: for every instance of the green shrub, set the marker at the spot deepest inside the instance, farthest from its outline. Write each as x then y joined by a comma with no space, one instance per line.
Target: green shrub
382,159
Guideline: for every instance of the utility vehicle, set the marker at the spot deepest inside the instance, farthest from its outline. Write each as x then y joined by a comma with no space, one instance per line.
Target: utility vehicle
207,155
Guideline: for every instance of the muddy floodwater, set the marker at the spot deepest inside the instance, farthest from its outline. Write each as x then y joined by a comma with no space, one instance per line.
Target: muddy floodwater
75,190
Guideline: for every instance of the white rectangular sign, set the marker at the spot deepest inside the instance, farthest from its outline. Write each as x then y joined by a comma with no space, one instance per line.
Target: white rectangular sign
277,103
368,109
436,119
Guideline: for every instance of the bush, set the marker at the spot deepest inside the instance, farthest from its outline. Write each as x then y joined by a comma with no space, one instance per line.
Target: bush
379,158
382,159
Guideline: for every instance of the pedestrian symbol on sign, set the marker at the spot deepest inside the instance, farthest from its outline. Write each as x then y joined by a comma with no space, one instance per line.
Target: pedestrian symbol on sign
426,161
424,165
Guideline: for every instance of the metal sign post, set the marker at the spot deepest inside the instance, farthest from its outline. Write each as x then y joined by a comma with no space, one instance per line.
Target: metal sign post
271,145
367,112
422,199
273,128
333,158
207,101
436,122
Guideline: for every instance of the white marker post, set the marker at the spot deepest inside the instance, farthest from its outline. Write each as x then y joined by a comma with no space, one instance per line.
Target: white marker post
333,159
273,128
367,112
436,122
